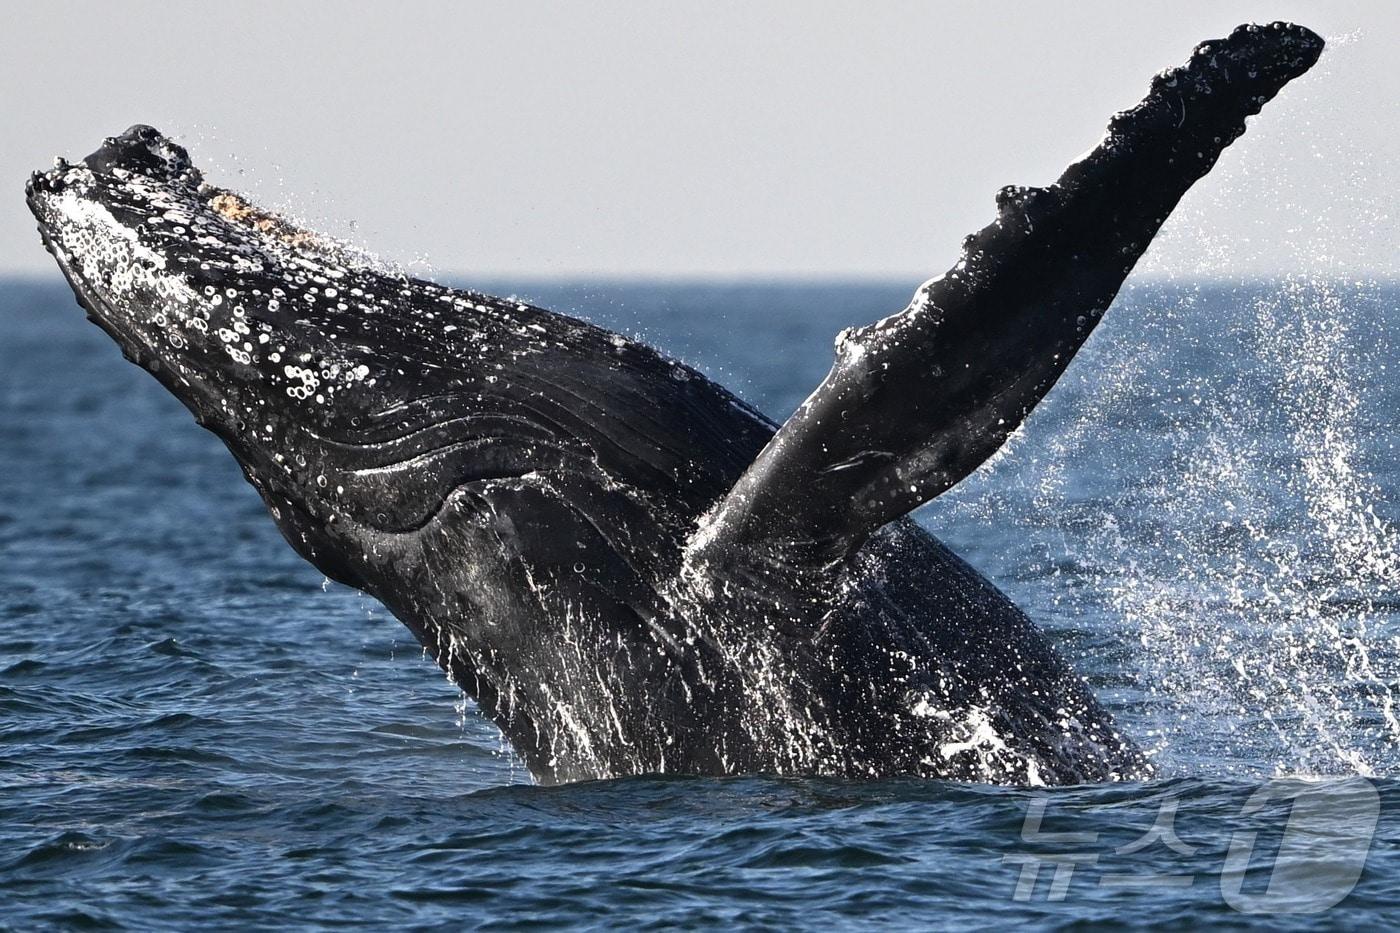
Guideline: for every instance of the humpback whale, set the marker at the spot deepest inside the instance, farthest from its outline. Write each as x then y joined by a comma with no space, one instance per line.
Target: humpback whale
628,568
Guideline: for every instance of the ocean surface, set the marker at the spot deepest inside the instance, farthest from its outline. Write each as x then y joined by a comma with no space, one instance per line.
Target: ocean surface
197,730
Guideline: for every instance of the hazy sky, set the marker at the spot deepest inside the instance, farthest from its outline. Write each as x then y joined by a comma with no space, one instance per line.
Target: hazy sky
799,138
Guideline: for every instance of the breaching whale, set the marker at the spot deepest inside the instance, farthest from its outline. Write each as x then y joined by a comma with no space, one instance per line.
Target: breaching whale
628,568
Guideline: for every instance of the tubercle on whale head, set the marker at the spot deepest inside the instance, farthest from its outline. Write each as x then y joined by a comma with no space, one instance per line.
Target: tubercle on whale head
144,150
263,331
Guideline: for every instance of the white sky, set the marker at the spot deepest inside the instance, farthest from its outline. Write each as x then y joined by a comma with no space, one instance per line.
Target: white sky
730,139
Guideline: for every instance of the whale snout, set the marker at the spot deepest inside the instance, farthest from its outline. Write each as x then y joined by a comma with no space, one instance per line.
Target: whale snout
140,156
155,267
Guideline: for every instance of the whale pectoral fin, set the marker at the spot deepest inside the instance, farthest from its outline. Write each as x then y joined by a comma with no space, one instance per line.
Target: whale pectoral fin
916,402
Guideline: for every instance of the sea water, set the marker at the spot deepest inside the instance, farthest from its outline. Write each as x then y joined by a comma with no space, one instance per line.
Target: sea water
197,730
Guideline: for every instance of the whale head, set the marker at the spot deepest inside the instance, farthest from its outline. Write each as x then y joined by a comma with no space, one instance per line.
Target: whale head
511,483
289,346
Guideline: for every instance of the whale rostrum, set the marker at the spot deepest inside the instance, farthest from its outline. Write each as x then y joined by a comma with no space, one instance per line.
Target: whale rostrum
628,568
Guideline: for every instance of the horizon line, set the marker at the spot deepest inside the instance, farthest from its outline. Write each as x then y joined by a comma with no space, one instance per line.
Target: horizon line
464,279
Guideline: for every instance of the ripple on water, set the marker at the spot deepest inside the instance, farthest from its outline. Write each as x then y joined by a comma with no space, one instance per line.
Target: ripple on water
193,733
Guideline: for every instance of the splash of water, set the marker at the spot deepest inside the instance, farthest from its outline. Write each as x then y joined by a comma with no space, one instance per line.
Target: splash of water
1236,532
1278,626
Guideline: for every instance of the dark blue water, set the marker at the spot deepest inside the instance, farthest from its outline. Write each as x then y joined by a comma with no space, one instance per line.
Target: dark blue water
195,731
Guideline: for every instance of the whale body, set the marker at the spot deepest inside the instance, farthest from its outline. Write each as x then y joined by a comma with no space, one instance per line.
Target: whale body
628,568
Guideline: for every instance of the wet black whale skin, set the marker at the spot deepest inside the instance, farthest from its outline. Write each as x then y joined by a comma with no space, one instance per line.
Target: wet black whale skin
629,569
